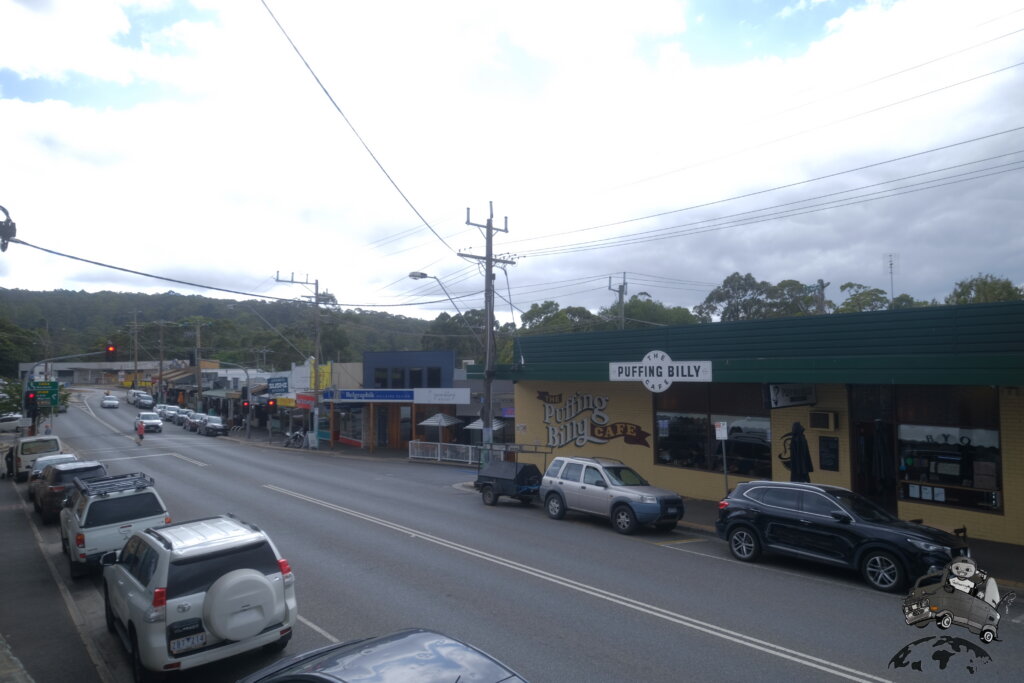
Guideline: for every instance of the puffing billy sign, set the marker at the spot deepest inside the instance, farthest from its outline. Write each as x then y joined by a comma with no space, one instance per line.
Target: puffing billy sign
658,371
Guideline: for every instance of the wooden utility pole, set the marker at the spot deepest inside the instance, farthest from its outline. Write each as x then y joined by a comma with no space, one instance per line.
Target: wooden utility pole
487,410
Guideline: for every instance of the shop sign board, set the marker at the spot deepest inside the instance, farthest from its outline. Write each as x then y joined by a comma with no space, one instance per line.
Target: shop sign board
785,395
658,371
376,395
277,385
307,401
441,395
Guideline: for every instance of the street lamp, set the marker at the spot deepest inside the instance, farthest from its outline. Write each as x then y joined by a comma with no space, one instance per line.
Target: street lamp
486,420
415,275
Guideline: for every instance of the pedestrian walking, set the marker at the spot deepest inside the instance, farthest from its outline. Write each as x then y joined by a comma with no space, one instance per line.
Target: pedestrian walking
9,463
140,432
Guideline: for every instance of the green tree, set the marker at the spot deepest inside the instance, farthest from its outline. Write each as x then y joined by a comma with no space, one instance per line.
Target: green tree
739,297
642,311
550,318
860,298
985,289
16,346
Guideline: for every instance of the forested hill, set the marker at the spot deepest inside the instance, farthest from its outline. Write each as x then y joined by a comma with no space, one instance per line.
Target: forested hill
51,324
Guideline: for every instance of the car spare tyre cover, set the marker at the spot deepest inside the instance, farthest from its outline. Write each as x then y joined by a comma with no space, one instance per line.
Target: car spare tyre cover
240,604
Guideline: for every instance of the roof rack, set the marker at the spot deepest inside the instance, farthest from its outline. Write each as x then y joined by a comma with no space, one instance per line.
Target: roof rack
114,483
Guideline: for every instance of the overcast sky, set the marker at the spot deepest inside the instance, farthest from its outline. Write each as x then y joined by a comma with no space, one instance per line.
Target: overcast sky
670,143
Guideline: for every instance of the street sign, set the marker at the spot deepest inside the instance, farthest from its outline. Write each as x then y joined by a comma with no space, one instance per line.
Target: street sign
46,392
277,385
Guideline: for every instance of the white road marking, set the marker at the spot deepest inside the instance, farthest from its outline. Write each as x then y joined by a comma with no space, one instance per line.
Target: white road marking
158,455
319,630
651,610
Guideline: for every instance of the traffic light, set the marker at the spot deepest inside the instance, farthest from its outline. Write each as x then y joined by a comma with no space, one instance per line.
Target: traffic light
111,351
272,403
31,404
245,404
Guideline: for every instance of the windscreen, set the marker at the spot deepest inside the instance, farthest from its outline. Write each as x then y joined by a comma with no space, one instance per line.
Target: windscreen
123,509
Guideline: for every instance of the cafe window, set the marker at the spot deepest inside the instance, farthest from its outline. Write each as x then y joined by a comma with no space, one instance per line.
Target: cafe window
948,446
685,417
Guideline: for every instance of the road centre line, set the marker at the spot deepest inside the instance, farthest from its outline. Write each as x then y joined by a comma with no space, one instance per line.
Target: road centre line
652,610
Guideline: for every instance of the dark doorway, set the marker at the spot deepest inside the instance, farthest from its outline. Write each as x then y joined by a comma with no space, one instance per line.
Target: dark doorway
873,468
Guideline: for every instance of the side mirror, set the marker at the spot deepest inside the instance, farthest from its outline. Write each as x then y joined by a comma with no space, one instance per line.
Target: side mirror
108,559
841,517
601,483
67,502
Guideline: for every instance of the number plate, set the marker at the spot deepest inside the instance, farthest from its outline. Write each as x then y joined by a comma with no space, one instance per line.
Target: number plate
671,511
192,642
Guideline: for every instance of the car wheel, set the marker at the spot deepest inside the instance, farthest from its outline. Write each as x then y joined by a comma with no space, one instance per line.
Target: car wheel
554,506
76,569
488,495
241,604
945,621
140,674
882,571
107,612
624,519
744,544
988,635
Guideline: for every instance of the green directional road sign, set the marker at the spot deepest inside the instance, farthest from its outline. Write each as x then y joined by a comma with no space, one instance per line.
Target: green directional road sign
46,392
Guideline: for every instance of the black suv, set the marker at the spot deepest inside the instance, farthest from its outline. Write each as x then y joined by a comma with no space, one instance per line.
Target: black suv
835,526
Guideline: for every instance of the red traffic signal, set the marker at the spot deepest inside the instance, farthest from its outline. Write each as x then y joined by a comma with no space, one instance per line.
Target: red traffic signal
272,403
111,351
245,404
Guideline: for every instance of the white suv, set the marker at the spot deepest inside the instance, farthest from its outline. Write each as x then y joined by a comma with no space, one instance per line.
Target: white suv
100,515
190,593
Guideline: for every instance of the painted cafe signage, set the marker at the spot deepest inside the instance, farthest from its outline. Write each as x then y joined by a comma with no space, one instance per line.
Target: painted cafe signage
658,371
581,419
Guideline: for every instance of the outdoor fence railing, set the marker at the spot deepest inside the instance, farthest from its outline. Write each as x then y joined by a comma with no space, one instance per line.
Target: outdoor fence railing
444,452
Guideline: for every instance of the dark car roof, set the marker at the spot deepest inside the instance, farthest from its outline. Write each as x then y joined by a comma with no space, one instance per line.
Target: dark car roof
415,654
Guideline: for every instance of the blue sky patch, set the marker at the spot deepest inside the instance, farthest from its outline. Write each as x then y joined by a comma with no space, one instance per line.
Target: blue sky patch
81,90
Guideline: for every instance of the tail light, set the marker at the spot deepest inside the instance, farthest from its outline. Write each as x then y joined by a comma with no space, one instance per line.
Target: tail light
722,504
167,519
158,609
286,572
56,489
79,540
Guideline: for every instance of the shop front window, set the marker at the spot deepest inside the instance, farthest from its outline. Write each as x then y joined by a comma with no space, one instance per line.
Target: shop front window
350,423
949,448
685,420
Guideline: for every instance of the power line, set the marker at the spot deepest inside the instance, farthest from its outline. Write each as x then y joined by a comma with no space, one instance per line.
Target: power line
209,287
353,129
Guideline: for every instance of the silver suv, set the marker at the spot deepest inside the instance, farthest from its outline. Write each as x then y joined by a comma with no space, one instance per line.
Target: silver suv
190,593
609,489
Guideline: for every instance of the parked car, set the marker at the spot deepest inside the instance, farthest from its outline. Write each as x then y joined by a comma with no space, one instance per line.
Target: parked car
143,400
213,426
182,416
151,422
159,409
835,526
410,655
9,422
607,488
110,402
41,463
168,413
195,420
190,593
51,488
100,515
27,448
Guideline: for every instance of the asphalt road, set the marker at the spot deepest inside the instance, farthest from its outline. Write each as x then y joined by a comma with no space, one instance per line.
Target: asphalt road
380,545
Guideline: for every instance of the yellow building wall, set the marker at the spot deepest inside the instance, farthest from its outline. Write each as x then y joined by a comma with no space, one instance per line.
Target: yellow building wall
633,403
831,398
1007,527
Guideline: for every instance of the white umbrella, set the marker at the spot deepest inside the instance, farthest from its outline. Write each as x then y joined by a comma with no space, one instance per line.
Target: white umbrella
496,424
440,420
